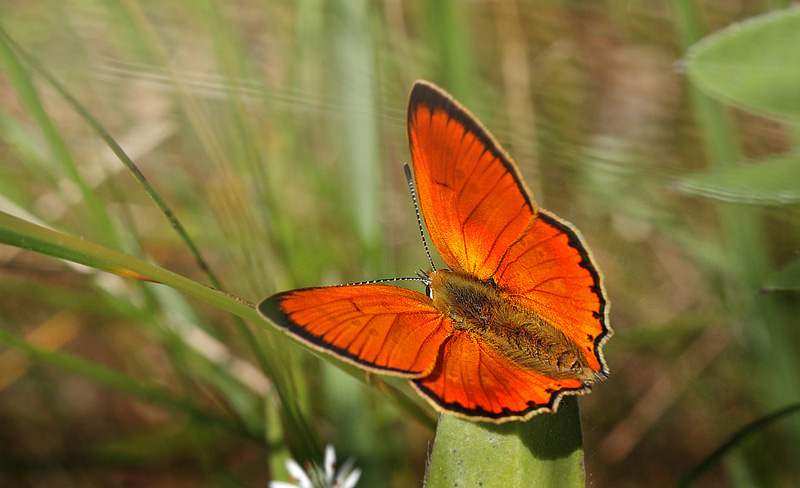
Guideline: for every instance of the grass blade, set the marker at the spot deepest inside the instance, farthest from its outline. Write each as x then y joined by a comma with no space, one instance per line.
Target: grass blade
20,233
125,384
22,83
735,440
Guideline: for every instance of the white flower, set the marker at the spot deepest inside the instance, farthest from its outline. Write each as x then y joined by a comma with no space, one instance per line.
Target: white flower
321,477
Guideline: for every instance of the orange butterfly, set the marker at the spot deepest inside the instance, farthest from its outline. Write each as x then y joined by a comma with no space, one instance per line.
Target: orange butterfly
515,323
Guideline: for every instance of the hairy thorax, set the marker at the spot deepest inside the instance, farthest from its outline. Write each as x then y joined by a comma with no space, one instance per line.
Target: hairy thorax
520,334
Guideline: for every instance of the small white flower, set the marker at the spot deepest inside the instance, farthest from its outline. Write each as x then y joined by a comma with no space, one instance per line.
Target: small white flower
321,477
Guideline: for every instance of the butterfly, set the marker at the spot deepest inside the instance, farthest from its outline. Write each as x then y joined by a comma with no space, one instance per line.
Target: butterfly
516,322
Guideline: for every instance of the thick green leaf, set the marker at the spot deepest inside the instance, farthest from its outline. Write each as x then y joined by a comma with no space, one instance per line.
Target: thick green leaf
787,278
753,64
547,450
772,182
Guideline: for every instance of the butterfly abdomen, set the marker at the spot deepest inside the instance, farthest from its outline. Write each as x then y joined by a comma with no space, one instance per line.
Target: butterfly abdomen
480,308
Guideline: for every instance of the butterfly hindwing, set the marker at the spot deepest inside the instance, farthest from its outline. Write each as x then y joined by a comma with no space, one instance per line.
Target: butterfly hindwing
549,270
473,379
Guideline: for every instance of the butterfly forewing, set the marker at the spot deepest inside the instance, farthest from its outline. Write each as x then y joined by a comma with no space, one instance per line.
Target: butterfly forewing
473,200
382,328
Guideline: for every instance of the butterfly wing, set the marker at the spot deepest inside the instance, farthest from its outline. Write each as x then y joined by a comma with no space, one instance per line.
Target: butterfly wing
550,270
483,220
471,194
381,328
473,380
484,223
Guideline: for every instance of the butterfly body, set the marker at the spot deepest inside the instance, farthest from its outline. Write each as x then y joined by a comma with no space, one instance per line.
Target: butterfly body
480,308
515,323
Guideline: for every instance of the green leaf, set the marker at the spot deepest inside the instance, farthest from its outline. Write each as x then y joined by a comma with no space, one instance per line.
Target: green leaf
787,278
544,451
770,182
753,64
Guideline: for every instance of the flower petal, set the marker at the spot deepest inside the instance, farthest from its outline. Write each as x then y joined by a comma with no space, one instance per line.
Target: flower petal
351,480
330,461
281,484
296,472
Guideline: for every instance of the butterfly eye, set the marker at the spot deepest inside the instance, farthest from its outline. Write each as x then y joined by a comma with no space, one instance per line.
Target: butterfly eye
429,291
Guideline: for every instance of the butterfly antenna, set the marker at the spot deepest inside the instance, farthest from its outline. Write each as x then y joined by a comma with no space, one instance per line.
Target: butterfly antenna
423,276
420,277
410,180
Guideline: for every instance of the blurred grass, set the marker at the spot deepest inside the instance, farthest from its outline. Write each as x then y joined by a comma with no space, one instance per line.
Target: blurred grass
275,132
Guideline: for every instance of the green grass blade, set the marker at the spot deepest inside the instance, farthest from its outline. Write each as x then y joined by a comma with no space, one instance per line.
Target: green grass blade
124,384
547,450
359,130
22,83
735,440
23,234
120,153
447,29
145,184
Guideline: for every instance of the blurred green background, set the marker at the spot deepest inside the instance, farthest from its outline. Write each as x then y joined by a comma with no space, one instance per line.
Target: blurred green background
275,132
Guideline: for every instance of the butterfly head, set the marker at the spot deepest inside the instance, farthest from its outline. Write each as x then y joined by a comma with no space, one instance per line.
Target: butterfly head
427,278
